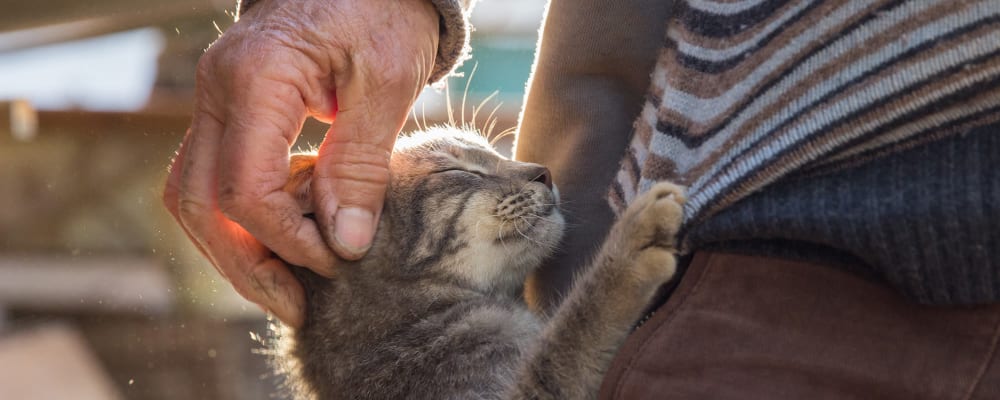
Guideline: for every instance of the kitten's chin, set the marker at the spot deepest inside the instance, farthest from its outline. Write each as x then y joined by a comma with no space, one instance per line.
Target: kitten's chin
502,265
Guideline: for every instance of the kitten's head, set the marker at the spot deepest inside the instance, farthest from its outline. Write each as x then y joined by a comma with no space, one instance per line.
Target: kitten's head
456,208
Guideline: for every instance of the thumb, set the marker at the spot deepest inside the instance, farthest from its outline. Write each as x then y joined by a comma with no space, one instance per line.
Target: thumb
352,166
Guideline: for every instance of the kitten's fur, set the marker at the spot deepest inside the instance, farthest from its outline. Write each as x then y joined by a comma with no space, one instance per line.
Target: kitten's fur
435,310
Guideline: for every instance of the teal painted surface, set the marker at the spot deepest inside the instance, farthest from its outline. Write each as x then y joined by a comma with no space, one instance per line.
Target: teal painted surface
502,64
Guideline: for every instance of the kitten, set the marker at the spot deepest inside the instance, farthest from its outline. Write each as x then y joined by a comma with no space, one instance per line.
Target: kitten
436,311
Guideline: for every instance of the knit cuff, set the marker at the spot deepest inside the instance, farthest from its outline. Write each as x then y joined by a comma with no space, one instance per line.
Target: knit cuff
242,6
453,41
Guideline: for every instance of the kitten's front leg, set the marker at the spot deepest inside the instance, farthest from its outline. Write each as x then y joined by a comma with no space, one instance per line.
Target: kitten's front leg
586,331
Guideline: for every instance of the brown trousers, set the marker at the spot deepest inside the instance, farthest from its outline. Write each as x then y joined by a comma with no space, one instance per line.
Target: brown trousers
741,327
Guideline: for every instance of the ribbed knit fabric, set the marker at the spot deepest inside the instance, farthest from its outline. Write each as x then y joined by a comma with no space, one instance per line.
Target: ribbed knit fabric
453,41
926,220
826,109
748,92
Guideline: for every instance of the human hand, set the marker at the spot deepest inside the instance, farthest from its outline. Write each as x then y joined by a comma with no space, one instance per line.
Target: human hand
358,64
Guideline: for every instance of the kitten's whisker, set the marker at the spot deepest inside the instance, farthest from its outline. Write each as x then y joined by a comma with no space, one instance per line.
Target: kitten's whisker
500,235
526,236
504,133
541,217
468,82
447,103
536,242
413,114
524,189
489,129
549,218
475,111
423,113
490,118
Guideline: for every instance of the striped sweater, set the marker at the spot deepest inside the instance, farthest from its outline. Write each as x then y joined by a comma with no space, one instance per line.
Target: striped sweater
746,93
769,97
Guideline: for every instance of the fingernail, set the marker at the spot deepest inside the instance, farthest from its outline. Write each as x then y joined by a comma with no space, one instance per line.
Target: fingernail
355,228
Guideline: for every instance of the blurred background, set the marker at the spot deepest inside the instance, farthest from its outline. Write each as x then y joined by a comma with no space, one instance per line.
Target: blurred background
101,295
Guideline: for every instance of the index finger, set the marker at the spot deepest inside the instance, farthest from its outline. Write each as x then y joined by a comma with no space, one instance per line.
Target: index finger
260,129
250,267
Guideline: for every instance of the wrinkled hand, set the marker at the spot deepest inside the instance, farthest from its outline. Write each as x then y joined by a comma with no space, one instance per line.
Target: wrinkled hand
358,64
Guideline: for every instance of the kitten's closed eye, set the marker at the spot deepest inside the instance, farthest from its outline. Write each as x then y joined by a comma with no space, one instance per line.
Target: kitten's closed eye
459,170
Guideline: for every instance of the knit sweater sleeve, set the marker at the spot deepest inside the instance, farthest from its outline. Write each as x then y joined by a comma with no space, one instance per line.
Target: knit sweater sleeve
453,45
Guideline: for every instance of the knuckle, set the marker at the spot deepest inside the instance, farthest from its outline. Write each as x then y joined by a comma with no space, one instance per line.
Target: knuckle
190,211
234,202
205,69
352,157
288,223
188,207
171,192
169,198
249,280
364,194
351,174
242,67
235,58
247,289
261,283
354,185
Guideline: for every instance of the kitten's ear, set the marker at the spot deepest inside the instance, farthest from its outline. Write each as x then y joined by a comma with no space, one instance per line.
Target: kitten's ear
300,171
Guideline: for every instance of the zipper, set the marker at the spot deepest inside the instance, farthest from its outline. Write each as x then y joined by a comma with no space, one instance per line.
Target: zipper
643,320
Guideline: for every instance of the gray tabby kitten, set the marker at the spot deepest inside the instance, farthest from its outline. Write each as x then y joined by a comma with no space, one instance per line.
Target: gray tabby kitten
436,311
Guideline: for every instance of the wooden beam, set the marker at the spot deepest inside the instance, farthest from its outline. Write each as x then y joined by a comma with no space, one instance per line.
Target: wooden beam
18,15
53,362
43,29
118,284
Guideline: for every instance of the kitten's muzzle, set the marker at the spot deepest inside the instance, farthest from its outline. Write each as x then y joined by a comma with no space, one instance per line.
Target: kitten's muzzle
529,200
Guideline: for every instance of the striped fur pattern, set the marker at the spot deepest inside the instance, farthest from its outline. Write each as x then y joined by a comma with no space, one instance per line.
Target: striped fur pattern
436,311
748,92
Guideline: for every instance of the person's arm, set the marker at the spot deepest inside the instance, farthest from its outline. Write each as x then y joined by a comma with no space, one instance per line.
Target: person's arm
358,64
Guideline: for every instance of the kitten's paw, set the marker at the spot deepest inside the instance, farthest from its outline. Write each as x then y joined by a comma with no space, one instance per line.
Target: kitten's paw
652,220
649,227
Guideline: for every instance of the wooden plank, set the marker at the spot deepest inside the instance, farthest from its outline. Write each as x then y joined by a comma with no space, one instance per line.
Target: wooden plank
118,284
19,15
51,363
171,116
164,16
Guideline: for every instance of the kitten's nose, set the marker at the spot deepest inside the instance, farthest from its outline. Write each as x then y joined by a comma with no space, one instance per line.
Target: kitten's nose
542,175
